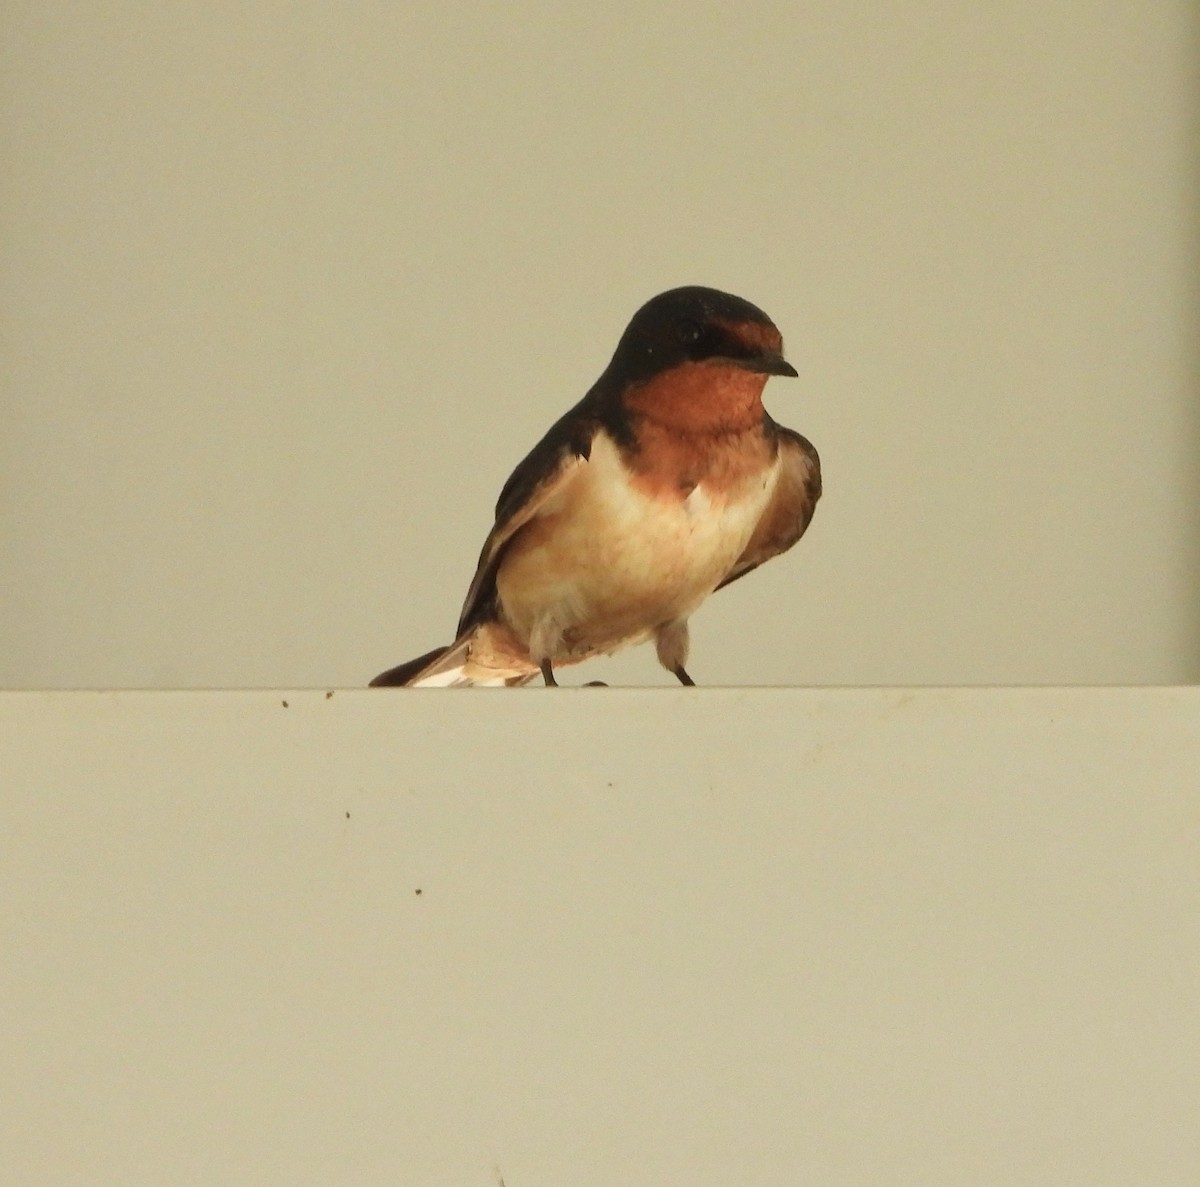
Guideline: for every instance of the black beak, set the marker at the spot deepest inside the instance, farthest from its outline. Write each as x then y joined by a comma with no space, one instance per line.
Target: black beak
768,364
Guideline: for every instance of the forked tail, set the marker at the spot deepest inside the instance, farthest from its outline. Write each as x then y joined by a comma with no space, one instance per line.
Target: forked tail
451,667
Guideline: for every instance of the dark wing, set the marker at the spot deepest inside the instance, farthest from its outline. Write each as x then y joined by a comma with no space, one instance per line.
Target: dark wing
791,507
552,462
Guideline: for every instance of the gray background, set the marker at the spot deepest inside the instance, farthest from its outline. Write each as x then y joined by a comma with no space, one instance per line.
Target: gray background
287,290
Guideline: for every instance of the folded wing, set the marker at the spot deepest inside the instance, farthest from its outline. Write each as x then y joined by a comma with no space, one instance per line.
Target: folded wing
790,510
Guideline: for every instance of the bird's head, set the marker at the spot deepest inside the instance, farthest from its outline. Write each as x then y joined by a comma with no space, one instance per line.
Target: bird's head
698,359
704,326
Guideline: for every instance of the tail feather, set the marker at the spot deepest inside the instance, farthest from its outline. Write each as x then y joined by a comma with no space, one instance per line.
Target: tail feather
451,667
400,675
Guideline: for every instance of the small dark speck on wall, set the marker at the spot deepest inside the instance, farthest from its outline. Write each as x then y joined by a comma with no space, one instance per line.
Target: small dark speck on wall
329,695
347,815
417,891
284,704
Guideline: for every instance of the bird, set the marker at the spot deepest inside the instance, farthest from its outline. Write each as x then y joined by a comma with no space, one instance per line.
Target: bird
668,481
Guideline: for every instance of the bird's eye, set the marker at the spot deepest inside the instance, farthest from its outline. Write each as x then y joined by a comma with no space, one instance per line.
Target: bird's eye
690,332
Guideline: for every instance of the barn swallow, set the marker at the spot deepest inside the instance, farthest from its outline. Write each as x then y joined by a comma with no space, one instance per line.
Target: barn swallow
666,482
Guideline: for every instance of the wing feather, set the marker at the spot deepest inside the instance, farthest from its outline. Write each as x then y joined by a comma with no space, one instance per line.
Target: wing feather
538,478
790,510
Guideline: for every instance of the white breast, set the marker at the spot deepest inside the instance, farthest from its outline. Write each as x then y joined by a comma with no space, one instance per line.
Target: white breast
605,564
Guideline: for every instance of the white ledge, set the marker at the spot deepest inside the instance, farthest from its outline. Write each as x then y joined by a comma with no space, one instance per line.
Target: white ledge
752,936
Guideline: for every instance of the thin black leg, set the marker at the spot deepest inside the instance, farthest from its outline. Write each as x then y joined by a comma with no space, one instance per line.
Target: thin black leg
683,677
548,674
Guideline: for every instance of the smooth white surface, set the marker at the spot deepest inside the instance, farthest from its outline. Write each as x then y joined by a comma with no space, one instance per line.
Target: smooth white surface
724,936
286,291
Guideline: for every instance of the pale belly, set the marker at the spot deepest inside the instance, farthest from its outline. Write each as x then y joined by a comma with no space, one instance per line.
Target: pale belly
606,565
